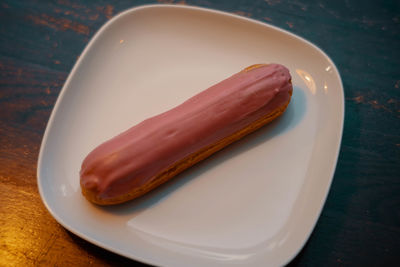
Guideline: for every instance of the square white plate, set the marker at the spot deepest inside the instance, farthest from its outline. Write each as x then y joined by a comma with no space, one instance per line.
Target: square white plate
254,203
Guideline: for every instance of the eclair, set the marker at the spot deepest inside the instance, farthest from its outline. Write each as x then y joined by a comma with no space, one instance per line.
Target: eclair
157,149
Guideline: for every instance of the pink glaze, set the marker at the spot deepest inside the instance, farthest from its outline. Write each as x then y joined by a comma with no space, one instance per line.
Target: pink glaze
134,157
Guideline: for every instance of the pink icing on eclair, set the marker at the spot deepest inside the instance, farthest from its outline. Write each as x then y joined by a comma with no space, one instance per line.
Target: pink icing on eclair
125,166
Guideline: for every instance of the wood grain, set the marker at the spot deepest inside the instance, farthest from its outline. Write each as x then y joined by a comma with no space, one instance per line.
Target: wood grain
360,224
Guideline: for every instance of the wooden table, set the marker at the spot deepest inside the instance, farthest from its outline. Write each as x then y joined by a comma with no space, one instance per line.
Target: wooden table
360,223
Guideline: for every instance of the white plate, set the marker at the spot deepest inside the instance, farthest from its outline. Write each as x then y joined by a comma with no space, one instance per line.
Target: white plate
254,203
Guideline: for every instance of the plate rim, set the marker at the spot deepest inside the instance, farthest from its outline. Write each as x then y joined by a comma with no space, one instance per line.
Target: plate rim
94,39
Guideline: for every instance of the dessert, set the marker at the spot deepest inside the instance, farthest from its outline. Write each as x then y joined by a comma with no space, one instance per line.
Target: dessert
155,150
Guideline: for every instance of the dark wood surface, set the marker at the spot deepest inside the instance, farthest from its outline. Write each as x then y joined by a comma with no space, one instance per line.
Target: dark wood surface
360,223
